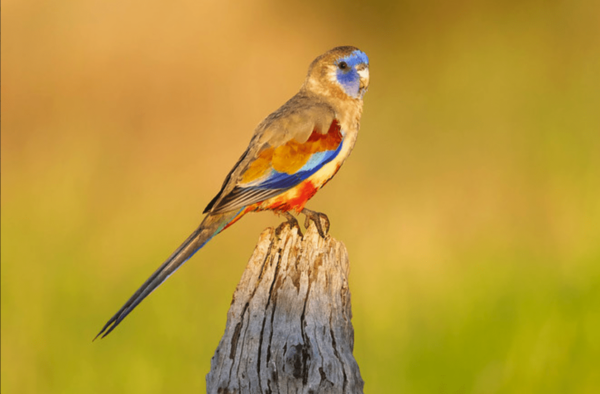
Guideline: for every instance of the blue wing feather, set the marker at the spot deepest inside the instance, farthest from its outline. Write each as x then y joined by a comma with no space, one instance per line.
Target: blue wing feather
280,180
275,183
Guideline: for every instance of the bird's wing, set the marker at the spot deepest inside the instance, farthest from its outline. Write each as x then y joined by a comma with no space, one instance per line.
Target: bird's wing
288,146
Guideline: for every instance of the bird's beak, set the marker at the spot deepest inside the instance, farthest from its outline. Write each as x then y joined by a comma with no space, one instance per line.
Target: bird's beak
363,72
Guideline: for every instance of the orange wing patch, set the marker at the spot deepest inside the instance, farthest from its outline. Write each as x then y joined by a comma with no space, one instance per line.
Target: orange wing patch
292,156
259,166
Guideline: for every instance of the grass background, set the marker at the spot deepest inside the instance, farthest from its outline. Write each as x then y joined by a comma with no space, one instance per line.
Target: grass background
470,205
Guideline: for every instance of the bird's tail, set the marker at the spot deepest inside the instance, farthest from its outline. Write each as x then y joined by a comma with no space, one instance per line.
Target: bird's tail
212,225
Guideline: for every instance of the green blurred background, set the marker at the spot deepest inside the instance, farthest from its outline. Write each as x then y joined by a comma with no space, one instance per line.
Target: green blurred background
470,206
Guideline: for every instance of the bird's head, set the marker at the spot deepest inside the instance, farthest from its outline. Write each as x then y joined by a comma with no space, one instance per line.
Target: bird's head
341,72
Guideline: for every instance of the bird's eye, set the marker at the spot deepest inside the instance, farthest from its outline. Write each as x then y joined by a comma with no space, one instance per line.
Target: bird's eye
342,65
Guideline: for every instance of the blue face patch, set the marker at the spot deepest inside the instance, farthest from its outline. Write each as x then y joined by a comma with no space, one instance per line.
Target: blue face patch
348,77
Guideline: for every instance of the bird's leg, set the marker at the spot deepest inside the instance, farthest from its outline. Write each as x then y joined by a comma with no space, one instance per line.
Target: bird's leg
291,221
319,219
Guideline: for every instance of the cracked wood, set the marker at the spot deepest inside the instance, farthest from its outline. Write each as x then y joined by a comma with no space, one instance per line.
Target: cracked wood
289,326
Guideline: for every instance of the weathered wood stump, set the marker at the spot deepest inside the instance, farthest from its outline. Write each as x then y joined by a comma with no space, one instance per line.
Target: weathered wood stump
289,326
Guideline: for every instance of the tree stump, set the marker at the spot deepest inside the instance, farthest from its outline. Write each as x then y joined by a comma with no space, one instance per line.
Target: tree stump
289,326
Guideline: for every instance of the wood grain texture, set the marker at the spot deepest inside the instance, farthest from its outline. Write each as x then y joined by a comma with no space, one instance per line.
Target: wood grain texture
289,326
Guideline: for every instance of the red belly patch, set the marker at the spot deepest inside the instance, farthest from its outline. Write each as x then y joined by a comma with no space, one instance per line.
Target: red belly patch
305,192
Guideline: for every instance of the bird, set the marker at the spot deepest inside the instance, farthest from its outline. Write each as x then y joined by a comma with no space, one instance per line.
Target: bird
292,154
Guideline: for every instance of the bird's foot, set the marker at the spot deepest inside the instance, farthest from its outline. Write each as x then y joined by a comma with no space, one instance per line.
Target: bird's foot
291,221
320,220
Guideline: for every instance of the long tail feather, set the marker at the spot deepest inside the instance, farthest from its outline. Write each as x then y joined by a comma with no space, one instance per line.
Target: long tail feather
211,226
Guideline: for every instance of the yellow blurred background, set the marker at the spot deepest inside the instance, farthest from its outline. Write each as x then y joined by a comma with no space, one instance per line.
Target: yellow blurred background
470,206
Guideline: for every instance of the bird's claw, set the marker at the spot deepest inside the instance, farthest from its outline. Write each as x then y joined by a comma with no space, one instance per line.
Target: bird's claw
320,220
290,221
